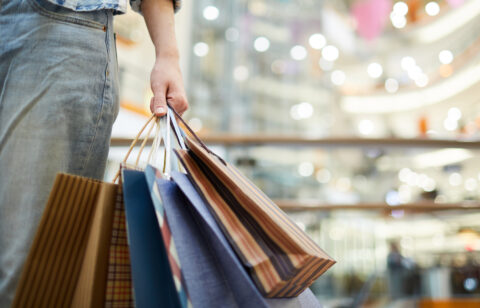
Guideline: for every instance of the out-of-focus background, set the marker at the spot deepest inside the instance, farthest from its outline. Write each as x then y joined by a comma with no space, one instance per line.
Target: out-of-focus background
360,118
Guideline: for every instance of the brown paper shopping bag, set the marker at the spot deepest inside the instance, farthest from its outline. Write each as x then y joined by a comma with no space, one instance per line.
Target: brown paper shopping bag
68,260
281,258
80,255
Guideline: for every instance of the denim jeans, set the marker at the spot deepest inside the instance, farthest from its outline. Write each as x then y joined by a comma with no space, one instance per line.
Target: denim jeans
58,102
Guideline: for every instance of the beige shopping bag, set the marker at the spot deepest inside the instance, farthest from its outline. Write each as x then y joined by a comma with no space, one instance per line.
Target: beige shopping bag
80,255
67,263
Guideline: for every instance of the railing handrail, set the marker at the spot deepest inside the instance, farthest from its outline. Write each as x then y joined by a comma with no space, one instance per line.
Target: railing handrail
286,140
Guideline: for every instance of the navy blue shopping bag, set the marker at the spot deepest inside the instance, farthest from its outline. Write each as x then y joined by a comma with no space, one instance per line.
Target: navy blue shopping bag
151,274
214,275
208,281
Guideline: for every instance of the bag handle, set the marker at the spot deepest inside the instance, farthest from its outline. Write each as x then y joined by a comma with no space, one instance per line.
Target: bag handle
179,136
164,126
178,132
142,146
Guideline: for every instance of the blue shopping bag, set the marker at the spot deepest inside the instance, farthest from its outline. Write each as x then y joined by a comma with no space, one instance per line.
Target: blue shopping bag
214,275
204,273
152,277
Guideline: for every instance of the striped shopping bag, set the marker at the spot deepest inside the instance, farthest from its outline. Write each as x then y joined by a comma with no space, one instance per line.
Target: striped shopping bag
168,239
282,260
79,257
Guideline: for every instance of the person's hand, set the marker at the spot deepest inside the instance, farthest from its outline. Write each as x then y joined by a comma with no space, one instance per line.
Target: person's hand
167,85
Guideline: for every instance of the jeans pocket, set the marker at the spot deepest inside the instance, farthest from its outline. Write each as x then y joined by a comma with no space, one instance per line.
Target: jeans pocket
62,14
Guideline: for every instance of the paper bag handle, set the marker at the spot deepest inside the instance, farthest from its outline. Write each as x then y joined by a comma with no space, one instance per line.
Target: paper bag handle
134,142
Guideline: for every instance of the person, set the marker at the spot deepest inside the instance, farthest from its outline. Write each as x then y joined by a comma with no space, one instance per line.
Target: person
395,267
58,102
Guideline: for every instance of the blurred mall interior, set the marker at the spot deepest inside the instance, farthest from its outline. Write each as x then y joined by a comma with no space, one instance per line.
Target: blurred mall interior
360,118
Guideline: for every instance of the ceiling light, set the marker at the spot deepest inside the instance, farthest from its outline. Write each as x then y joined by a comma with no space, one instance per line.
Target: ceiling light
305,110
398,21
375,70
407,63
400,8
200,49
403,174
365,127
455,179
422,80
261,44
415,72
330,53
317,41
306,169
338,77
432,8
392,198
391,85
298,52
301,111
445,56
210,12
454,113
450,124
323,176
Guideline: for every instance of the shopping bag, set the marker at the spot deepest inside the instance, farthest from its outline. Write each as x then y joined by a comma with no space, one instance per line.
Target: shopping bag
80,254
67,265
210,283
153,279
281,258
235,276
119,288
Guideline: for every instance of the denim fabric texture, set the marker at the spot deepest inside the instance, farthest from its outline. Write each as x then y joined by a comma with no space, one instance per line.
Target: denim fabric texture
58,102
235,275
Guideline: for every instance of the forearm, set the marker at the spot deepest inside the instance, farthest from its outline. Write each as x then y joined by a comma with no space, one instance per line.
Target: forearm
159,17
166,77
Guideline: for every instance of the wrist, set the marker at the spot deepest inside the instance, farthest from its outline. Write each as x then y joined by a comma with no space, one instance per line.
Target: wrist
167,53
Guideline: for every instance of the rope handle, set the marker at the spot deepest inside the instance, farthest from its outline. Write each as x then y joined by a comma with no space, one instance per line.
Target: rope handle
132,145
177,132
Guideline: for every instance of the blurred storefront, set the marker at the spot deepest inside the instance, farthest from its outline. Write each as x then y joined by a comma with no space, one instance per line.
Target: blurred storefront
361,118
